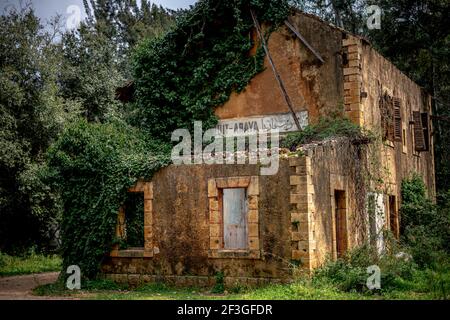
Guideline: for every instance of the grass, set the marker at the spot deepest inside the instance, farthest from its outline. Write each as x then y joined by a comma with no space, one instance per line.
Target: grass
302,289
32,263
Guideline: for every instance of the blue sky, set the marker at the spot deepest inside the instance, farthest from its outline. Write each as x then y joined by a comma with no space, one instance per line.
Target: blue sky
45,9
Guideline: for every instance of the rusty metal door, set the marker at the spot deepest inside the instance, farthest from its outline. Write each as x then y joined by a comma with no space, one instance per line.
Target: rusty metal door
235,218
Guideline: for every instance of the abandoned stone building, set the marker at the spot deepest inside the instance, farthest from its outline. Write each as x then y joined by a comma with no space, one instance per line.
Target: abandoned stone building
203,219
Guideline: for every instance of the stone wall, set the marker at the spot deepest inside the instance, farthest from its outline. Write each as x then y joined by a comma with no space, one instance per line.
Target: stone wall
378,76
311,85
183,224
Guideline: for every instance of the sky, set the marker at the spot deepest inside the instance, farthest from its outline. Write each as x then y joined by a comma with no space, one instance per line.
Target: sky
45,9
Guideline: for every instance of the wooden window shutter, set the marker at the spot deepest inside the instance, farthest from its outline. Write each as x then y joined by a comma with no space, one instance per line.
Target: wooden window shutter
397,120
387,116
419,138
424,116
235,218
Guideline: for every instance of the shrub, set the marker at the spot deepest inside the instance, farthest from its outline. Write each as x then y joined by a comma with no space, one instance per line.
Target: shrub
349,273
94,166
425,225
326,127
219,287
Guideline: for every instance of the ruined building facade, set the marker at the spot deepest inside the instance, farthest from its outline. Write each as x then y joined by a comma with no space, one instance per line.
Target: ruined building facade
203,219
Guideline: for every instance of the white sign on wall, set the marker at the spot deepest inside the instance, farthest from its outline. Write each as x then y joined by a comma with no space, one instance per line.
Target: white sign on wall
283,122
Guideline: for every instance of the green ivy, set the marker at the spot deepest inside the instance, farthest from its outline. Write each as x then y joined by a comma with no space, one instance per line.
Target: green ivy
179,78
96,164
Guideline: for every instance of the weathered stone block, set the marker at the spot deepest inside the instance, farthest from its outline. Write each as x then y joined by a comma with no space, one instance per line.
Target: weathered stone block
353,48
351,71
299,254
214,242
148,206
294,180
253,216
244,182
299,217
354,78
301,198
354,64
233,183
212,188
214,216
253,230
148,219
352,99
352,86
350,41
148,253
354,56
213,204
138,187
148,191
353,93
253,188
253,203
214,230
148,232
253,243
300,161
221,183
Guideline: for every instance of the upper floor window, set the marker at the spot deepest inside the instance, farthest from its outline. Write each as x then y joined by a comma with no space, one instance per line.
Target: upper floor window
421,131
391,118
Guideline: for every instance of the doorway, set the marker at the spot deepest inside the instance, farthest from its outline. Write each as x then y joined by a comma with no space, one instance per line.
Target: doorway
340,216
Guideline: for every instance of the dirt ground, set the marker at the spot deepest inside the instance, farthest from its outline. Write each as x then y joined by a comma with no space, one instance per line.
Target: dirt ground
20,287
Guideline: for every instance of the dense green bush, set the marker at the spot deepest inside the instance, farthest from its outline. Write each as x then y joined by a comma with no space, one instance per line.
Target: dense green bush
95,164
326,127
349,273
425,225
182,76
422,266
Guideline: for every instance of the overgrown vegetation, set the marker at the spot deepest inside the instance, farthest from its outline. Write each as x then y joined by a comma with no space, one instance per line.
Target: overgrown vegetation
182,76
425,225
46,85
28,263
95,164
219,287
179,78
327,127
418,262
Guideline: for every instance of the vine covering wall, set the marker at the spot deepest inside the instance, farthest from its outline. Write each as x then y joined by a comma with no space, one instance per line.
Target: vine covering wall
179,78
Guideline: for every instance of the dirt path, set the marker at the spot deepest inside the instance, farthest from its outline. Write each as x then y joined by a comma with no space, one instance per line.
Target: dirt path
20,287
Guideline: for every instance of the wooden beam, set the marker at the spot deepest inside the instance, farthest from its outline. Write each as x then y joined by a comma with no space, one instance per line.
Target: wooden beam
274,69
303,40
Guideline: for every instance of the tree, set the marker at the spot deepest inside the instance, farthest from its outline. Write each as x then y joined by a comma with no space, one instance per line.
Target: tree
90,73
96,57
31,116
125,23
